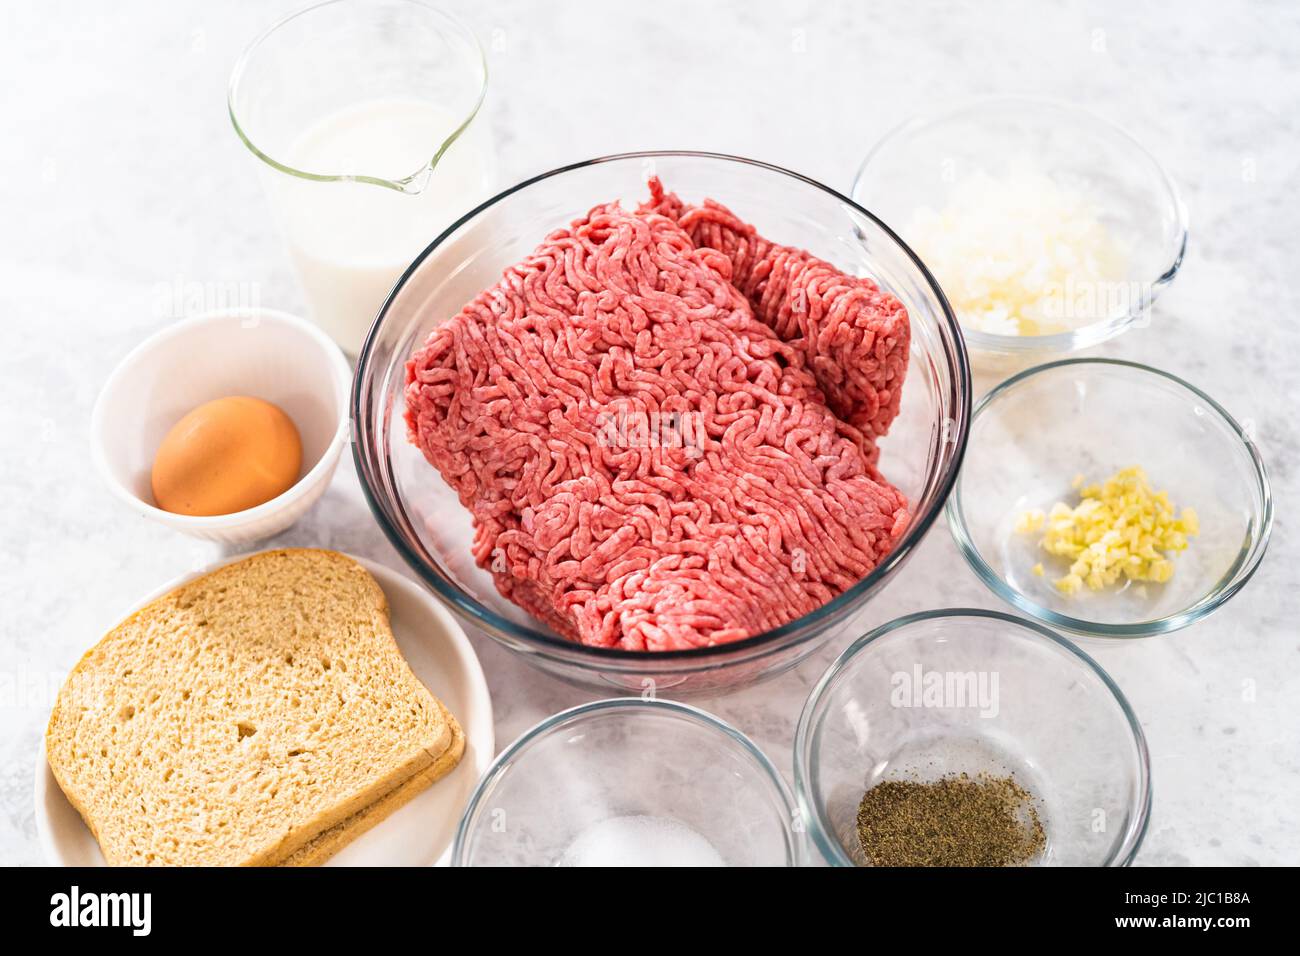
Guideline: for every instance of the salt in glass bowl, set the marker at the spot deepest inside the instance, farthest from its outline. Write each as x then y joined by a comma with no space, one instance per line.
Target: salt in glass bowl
629,757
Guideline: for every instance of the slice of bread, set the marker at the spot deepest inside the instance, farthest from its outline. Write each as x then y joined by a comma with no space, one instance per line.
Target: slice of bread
326,844
236,718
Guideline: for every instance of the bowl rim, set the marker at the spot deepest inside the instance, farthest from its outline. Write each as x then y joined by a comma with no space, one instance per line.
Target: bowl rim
1084,336
805,788
140,353
1203,606
597,708
770,639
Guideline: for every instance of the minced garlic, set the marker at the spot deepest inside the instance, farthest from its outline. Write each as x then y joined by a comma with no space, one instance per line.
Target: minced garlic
1021,255
1121,528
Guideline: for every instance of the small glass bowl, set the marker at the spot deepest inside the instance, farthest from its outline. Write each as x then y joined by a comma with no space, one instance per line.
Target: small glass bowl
1033,434
628,757
920,163
1017,700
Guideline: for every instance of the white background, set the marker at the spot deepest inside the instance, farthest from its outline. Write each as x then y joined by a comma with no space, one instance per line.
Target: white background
120,176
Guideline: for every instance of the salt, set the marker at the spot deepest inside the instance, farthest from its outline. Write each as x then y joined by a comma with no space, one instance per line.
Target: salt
640,840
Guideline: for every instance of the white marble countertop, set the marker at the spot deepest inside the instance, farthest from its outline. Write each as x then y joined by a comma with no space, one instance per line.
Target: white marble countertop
122,177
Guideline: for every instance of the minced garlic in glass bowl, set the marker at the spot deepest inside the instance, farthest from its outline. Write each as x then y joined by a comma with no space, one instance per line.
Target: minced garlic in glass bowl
1097,416
1121,530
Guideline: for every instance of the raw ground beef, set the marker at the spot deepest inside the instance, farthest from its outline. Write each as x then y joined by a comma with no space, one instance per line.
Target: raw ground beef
854,337
649,466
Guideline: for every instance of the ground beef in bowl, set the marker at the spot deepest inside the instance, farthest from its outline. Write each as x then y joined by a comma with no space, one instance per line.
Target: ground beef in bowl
664,427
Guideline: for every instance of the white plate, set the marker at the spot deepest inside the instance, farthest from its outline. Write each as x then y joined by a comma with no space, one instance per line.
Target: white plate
420,833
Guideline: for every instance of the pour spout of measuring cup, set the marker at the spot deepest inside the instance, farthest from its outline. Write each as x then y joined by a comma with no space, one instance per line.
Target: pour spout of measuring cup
417,183
353,222
385,136
412,185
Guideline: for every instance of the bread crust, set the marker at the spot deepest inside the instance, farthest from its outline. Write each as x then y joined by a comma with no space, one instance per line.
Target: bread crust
325,845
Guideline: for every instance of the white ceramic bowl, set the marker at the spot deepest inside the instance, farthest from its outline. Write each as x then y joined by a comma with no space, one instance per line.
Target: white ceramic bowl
418,834
264,353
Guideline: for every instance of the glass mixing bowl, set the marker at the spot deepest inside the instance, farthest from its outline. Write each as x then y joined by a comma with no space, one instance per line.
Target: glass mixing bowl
627,758
927,161
428,526
1035,432
1012,698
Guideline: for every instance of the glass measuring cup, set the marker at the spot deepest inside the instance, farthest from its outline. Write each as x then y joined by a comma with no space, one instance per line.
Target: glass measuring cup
362,113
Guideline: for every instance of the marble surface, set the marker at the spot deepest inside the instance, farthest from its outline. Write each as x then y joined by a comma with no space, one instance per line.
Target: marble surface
124,190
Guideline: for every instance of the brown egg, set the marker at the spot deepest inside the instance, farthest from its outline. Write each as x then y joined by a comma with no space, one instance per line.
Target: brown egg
226,456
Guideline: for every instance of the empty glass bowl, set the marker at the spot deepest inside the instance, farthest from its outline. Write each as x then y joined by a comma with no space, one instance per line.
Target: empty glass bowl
1032,435
986,160
630,782
1012,698
432,531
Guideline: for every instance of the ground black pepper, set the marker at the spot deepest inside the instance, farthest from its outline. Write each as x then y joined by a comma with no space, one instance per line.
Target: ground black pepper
954,821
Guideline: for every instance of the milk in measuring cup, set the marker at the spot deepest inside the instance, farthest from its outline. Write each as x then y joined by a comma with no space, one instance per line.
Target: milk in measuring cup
350,241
